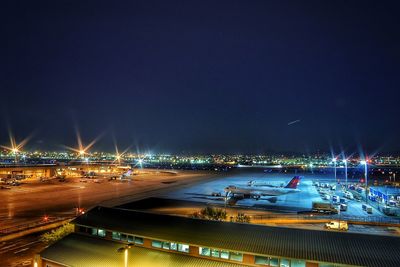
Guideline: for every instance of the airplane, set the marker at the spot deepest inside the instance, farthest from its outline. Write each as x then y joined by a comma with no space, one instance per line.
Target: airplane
270,190
234,194
126,175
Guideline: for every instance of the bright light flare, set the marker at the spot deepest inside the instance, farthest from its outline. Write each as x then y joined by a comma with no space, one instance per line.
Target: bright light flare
14,147
363,162
118,155
82,150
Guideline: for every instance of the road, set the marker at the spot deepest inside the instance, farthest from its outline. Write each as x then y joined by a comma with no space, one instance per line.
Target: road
30,202
20,252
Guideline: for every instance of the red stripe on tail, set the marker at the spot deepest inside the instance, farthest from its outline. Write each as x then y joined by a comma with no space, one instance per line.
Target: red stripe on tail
293,183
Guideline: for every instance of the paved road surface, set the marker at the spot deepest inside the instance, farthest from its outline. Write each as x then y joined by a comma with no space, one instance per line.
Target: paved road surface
31,202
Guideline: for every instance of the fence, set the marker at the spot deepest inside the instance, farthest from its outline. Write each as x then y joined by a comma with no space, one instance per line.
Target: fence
361,219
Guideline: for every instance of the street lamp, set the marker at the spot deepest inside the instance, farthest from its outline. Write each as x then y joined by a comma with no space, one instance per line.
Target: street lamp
124,250
365,163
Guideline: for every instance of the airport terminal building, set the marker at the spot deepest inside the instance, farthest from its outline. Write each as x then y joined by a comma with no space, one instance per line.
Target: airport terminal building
120,237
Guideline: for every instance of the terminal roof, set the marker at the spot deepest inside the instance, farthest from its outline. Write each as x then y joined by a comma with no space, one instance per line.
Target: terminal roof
322,246
80,250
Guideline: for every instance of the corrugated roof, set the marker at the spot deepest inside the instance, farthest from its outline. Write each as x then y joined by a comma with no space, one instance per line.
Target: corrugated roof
323,246
84,251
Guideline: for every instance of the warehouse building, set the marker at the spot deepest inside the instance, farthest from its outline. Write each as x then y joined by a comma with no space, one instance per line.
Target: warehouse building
120,237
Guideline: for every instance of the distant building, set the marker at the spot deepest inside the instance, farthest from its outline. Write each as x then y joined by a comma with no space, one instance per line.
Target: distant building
162,240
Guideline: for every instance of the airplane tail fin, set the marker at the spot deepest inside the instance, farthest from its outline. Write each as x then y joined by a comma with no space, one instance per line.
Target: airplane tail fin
293,183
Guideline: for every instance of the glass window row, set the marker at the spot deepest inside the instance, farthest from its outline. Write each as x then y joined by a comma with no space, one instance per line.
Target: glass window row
127,238
223,254
170,246
277,262
115,235
93,231
203,251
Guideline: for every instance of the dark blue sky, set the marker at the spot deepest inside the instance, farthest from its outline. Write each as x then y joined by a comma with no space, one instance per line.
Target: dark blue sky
203,76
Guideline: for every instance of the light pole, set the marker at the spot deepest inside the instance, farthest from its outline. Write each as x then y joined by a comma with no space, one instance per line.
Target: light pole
345,171
334,164
126,257
124,250
365,163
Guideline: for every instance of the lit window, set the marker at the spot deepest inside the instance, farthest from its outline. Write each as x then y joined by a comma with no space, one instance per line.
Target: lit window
174,246
235,256
101,232
116,236
156,244
165,245
131,238
285,263
298,263
183,248
261,260
138,240
94,231
224,254
204,251
215,253
124,237
274,262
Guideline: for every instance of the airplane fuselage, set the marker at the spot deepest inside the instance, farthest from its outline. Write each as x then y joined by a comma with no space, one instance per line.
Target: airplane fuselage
277,191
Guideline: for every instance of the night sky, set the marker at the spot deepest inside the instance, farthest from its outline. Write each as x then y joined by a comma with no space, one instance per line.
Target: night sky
202,76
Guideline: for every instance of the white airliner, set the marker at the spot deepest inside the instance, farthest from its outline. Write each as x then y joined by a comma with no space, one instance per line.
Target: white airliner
269,190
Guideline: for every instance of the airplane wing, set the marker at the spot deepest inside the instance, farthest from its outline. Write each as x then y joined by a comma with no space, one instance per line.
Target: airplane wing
220,197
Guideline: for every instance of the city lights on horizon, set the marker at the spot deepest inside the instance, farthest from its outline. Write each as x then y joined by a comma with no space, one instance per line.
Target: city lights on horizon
86,153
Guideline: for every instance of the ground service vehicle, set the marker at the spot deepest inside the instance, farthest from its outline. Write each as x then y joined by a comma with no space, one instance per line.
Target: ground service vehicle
369,210
348,195
322,207
337,225
336,199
